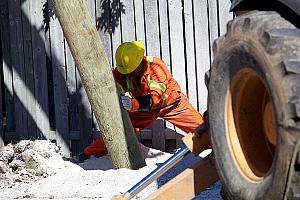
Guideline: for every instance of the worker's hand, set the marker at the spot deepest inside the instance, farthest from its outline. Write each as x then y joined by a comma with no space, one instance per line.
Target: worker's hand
126,102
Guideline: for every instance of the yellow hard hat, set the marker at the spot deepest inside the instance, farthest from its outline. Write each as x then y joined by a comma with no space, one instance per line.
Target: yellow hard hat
129,55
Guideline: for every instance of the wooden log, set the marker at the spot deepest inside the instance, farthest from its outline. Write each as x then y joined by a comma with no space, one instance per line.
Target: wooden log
95,72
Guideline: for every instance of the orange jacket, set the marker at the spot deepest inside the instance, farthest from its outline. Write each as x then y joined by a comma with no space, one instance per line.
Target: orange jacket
154,79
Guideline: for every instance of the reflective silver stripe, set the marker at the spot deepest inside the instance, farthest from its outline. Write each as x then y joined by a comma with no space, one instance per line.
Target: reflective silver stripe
149,60
160,86
130,87
121,88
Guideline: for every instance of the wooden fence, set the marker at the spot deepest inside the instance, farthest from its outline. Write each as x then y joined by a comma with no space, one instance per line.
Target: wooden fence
41,93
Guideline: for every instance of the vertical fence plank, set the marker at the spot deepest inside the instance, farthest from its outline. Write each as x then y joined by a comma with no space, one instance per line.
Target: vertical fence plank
85,116
152,44
72,94
59,80
178,66
152,28
164,31
17,56
139,20
224,15
165,48
177,43
103,26
202,50
127,18
73,98
40,68
190,53
29,71
1,93
117,8
213,19
6,64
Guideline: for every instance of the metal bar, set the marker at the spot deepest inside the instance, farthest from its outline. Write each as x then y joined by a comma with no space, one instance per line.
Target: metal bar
155,174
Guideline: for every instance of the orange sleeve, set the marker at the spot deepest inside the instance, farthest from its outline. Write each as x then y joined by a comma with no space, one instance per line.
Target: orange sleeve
161,75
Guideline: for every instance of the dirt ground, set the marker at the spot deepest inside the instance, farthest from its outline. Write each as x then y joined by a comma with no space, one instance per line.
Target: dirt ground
36,170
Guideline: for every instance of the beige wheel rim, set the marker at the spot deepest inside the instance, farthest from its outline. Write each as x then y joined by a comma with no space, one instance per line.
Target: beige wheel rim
250,125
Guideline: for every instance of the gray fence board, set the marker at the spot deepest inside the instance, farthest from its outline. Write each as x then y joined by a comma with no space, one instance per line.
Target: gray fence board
17,57
39,54
176,42
213,19
29,71
139,21
177,63
103,26
6,64
179,32
127,20
152,28
164,31
59,80
116,8
224,15
1,101
85,117
190,53
202,50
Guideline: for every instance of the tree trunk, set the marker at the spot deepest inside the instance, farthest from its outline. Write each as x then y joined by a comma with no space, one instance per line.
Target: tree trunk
95,72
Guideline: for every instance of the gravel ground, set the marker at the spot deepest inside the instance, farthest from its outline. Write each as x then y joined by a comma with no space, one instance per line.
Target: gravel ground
41,173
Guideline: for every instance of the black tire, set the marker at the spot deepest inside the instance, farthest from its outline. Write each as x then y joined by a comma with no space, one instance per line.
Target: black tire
254,105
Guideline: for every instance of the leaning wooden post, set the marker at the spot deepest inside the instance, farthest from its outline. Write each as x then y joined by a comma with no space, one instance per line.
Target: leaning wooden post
95,72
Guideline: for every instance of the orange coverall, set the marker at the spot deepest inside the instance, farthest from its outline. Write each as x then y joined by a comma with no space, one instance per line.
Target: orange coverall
168,102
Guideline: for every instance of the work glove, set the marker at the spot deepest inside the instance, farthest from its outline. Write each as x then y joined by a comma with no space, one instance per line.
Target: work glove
126,102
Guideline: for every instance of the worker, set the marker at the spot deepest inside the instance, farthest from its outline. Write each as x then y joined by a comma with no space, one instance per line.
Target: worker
150,92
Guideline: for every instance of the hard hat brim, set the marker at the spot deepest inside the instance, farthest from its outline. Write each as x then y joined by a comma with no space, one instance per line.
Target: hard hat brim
123,70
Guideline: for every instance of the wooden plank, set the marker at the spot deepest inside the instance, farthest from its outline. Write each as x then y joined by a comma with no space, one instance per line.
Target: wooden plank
178,64
39,56
152,44
59,81
1,93
202,50
127,18
152,28
91,4
190,53
74,98
103,26
139,21
6,64
18,70
116,8
188,183
177,60
29,70
164,32
213,19
85,117
224,15
72,90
